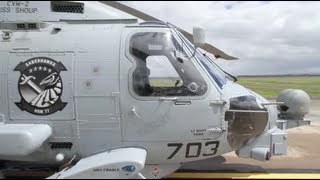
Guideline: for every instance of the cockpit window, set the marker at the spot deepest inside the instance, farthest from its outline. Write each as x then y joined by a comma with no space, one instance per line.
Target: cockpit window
162,67
215,75
212,70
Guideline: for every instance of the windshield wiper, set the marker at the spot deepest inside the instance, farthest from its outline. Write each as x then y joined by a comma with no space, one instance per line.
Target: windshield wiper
211,61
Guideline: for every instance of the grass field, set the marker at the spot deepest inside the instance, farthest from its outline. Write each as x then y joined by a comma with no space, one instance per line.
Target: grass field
271,86
268,87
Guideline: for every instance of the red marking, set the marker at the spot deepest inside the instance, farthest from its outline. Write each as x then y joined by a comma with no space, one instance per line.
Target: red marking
155,171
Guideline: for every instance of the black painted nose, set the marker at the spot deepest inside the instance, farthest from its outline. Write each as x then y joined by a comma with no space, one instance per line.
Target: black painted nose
246,120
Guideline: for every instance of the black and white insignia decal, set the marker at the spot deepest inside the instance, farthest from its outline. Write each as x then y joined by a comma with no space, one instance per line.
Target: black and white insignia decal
40,86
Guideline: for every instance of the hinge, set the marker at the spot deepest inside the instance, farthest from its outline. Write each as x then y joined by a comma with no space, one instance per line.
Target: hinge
2,119
215,130
218,102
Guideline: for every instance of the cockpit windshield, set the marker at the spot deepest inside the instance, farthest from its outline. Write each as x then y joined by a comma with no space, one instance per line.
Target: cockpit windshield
162,67
212,69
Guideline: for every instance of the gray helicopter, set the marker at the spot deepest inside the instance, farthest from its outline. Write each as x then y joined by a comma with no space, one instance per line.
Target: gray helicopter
101,90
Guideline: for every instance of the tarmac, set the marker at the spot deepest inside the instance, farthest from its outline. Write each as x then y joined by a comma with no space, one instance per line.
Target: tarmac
303,157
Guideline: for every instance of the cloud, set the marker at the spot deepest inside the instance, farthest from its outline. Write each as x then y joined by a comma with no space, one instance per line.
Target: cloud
228,6
268,37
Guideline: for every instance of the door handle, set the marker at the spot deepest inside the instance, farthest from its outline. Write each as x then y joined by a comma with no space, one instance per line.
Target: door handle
168,98
133,110
182,102
218,102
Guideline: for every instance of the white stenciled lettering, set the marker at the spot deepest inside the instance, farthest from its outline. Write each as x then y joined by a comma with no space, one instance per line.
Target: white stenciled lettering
41,111
38,111
46,61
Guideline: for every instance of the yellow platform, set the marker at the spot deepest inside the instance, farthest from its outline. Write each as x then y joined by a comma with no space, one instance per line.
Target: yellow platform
246,175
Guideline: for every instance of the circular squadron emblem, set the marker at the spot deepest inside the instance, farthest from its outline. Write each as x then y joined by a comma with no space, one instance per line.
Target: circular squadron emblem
40,86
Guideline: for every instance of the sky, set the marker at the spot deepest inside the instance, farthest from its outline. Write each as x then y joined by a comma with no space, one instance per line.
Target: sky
268,37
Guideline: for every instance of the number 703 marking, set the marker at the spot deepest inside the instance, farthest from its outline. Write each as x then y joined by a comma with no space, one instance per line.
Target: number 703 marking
212,145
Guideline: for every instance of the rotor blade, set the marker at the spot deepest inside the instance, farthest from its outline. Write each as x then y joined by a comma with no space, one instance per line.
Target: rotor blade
130,10
217,53
208,47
